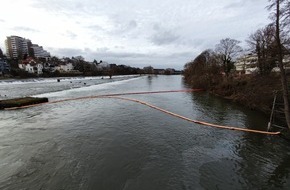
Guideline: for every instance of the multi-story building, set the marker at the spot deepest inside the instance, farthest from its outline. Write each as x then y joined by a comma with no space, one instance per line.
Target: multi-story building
247,64
17,47
39,52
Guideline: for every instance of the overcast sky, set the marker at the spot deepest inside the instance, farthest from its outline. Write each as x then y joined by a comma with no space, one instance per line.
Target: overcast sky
160,33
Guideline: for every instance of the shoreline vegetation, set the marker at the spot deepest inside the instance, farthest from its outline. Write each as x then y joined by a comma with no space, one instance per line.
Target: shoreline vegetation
252,76
253,91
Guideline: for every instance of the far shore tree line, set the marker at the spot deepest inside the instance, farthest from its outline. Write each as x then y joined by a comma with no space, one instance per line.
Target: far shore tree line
81,68
270,44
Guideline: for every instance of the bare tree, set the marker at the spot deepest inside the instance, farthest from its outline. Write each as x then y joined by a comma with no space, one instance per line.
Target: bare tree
227,49
262,43
277,17
204,70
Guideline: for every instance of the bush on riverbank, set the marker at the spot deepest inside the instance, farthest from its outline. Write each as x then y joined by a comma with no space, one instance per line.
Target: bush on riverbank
255,92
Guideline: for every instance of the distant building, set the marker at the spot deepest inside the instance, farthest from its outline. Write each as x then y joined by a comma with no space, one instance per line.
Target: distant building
31,66
18,47
247,64
65,68
286,62
39,52
4,67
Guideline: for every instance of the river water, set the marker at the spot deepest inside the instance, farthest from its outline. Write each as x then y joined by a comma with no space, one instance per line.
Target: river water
114,144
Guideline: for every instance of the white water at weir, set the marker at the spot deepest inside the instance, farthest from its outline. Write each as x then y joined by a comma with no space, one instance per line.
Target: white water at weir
36,87
53,80
103,86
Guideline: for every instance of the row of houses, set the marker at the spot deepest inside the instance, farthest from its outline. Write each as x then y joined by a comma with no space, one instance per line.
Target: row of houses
37,67
32,66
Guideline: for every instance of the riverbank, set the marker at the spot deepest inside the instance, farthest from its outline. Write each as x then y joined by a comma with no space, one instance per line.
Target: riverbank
254,92
19,102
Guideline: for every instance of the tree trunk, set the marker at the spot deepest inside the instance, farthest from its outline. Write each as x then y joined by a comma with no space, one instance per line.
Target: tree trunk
281,66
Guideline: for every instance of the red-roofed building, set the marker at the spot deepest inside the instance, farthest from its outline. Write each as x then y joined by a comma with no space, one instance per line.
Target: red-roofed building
31,66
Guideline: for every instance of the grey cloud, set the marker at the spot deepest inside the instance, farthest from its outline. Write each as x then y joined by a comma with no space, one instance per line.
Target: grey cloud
96,28
103,49
54,5
181,55
156,27
67,52
164,38
122,25
240,3
235,5
176,60
100,52
69,7
1,20
70,34
119,47
23,28
132,24
195,25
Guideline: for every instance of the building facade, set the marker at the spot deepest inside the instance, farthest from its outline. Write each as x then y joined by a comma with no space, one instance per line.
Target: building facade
31,66
17,47
39,52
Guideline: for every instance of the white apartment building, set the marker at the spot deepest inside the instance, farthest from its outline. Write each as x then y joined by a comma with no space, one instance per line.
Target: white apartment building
17,46
65,68
247,64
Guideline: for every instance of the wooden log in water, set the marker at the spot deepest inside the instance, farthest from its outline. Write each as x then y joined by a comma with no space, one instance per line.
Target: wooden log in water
18,102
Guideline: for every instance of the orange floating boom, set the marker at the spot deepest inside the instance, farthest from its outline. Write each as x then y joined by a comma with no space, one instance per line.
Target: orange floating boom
116,96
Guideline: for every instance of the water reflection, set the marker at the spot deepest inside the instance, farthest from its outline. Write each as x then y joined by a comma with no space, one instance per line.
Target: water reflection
214,109
149,80
253,161
264,161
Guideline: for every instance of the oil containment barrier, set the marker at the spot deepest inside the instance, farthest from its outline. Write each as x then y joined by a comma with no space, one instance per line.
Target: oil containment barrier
117,96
